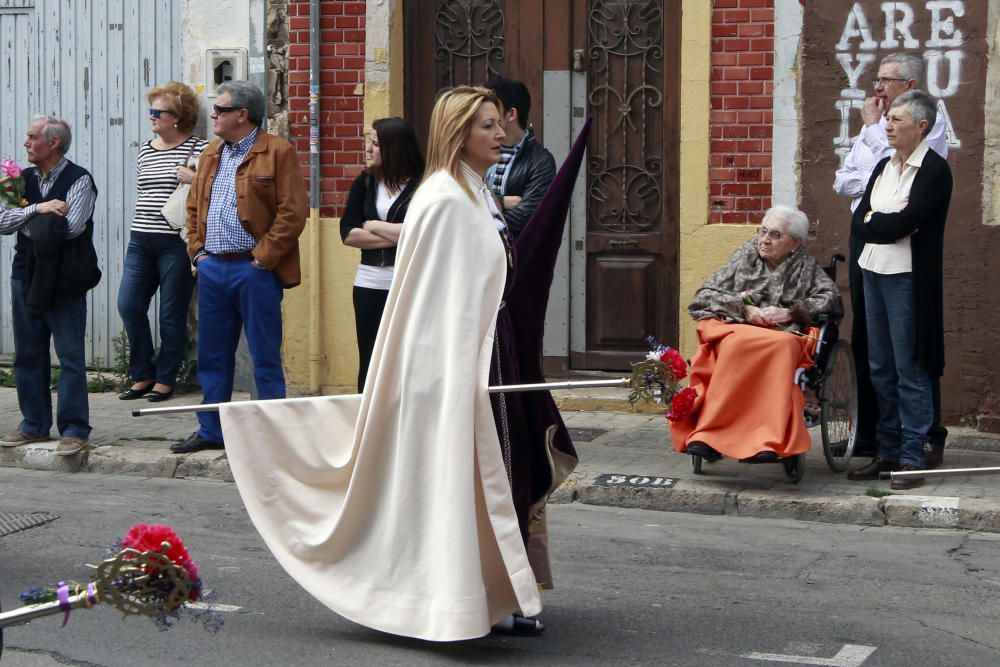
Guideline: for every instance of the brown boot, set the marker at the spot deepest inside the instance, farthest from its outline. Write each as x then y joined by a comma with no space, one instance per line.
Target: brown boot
907,482
871,471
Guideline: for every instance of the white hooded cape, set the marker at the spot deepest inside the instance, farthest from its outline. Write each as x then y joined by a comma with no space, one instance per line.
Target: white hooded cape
393,507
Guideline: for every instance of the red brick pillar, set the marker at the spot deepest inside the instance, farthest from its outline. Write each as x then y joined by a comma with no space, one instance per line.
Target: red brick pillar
342,76
742,84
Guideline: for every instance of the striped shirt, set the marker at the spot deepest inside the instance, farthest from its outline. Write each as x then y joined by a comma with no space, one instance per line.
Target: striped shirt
224,233
80,200
156,180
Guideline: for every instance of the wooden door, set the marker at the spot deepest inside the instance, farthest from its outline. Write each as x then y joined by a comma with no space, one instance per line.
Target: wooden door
633,87
625,53
468,42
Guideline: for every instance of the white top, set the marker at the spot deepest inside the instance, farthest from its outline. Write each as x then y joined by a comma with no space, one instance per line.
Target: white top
870,147
891,194
377,277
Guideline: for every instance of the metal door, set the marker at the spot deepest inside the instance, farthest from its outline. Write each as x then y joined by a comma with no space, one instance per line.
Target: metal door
90,62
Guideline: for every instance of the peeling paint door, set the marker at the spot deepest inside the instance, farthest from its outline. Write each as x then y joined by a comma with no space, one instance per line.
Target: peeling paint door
90,62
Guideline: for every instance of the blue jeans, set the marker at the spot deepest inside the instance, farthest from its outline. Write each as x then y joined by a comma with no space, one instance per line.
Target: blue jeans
234,295
65,325
904,388
155,261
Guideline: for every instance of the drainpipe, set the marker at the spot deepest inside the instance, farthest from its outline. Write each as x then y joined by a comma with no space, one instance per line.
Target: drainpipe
315,319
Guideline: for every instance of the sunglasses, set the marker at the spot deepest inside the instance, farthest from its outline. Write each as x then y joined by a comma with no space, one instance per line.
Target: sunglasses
219,109
156,113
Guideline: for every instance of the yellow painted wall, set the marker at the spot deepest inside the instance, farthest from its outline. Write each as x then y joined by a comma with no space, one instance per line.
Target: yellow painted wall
338,363
703,247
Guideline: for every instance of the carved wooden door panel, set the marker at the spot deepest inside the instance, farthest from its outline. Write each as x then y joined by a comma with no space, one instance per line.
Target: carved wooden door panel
625,53
632,179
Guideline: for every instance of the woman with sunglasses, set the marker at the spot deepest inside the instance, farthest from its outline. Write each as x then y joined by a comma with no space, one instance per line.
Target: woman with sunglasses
157,258
751,314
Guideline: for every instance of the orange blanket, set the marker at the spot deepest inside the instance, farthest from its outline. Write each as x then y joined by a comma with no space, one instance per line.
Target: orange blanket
746,401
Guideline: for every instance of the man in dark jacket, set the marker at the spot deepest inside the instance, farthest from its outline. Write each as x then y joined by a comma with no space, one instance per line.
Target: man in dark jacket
526,168
59,315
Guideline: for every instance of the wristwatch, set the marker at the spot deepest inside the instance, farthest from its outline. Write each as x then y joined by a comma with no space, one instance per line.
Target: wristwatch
868,216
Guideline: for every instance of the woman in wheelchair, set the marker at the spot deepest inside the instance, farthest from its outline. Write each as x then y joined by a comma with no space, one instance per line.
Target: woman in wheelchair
753,318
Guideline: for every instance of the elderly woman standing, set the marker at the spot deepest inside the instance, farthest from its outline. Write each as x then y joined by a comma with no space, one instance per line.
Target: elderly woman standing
901,219
751,314
157,258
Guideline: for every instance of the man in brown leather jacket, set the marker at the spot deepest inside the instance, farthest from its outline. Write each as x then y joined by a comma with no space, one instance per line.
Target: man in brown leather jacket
247,208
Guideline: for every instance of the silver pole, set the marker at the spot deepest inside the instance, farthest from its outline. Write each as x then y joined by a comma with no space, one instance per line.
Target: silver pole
952,472
31,612
500,389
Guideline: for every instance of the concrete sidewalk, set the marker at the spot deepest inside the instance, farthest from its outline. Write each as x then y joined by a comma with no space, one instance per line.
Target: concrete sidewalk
625,460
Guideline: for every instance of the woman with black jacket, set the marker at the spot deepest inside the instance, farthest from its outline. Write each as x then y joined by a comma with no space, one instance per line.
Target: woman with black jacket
376,207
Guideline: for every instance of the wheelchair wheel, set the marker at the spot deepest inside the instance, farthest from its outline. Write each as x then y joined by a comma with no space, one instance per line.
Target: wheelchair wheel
696,463
795,467
838,396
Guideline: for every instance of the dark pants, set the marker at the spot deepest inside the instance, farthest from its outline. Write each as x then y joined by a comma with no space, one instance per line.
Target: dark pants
233,295
867,401
368,306
155,261
65,326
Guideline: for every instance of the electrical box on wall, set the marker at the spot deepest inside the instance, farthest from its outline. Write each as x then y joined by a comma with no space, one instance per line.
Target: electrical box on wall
223,65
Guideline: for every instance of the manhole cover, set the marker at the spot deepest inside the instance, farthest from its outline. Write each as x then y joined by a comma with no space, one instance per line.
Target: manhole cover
12,523
586,434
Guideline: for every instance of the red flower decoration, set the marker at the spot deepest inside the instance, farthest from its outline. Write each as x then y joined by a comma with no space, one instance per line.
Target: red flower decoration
682,404
675,362
150,537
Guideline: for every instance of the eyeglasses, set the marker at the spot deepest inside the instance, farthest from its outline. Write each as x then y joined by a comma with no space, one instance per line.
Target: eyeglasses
156,113
219,109
884,80
772,234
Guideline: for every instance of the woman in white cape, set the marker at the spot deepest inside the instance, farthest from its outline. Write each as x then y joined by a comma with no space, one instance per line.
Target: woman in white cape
394,507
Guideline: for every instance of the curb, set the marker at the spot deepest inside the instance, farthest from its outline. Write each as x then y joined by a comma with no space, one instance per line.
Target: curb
902,511
689,496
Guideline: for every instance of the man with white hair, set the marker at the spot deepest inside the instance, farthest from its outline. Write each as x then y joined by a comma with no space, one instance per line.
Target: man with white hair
58,218
897,73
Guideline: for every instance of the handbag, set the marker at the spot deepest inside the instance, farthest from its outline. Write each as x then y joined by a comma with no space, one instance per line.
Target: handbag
174,210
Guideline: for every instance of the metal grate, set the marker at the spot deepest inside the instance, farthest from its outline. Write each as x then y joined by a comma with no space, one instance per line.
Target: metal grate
586,434
12,523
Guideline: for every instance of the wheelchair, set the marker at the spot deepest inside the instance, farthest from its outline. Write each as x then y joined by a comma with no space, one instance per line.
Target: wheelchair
833,381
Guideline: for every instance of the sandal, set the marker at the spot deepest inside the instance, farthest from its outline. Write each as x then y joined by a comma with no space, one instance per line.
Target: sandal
516,625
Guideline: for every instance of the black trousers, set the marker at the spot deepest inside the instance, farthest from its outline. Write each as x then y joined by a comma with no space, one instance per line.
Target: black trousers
867,399
368,306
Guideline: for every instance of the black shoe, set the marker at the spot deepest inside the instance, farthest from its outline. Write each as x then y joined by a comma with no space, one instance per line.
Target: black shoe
766,456
935,455
522,626
132,394
195,443
872,470
907,482
702,449
159,396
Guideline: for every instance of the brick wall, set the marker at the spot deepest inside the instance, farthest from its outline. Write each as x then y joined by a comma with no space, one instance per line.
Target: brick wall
741,87
342,75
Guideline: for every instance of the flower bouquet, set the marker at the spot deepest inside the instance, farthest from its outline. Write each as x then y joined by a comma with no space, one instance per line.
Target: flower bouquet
149,572
657,379
12,185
